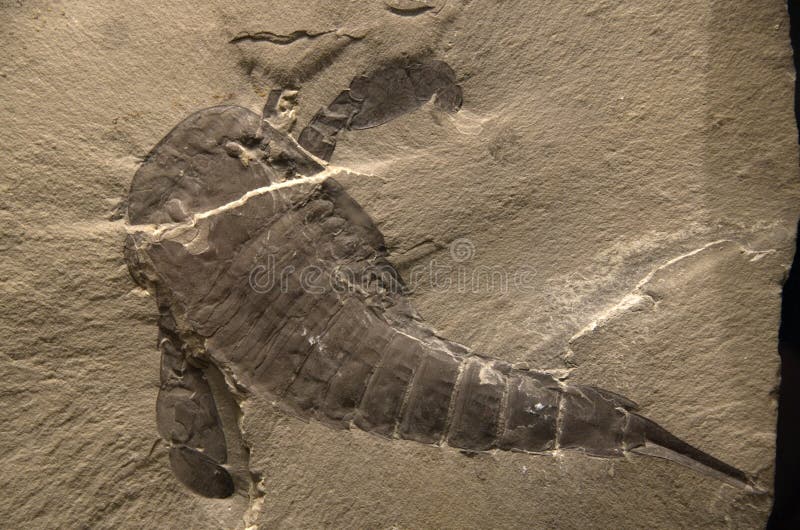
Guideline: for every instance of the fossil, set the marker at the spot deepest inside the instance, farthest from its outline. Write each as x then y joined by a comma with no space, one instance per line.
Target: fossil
227,191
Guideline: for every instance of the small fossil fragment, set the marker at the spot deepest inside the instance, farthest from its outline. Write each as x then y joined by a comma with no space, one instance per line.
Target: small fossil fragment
277,38
226,192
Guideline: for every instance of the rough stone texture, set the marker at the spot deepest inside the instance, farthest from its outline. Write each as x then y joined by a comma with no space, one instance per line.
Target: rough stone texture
638,161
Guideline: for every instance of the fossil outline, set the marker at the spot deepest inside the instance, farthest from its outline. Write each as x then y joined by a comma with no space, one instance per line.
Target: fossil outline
226,187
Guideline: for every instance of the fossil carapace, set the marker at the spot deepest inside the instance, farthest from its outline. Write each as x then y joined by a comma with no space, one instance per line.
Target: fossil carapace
228,191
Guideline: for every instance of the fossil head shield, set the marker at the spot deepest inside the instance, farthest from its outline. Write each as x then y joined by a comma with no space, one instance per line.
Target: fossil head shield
333,339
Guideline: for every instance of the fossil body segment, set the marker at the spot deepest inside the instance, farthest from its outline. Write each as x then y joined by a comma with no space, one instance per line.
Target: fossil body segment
324,328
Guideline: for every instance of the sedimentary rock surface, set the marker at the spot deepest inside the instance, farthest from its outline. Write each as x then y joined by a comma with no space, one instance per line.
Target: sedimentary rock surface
613,204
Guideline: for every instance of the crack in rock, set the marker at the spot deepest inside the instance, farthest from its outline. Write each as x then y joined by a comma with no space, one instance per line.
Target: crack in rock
638,298
158,230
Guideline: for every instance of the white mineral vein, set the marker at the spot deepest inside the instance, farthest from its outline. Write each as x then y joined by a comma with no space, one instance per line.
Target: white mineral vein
157,230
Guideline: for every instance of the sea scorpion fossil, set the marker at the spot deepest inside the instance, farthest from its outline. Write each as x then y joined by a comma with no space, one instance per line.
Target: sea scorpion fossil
227,190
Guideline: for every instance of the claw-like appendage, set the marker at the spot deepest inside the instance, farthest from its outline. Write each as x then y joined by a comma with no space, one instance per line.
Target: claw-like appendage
380,97
187,419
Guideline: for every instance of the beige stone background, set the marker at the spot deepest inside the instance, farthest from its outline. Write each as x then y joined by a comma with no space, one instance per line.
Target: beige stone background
639,159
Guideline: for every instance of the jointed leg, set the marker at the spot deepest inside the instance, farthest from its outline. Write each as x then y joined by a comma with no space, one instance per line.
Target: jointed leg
378,98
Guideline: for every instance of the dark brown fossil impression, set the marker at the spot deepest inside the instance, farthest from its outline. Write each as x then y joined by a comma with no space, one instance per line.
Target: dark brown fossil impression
228,190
